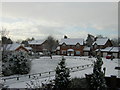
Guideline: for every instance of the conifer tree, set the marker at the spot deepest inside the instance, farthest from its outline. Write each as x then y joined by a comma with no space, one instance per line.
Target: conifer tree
62,75
97,81
16,63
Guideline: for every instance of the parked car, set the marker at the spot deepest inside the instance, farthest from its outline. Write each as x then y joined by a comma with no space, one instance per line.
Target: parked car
109,56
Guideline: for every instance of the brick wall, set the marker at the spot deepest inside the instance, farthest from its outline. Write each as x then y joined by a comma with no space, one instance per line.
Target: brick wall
74,47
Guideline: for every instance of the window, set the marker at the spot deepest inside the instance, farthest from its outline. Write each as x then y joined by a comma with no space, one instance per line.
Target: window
77,52
63,51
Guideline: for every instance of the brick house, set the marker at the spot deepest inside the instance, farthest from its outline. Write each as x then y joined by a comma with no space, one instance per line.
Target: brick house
101,43
71,47
37,45
114,51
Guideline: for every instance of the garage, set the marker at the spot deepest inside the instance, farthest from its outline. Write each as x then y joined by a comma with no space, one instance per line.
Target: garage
86,53
115,55
115,51
106,51
104,54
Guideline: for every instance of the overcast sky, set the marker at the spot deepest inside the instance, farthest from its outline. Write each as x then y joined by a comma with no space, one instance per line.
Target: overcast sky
38,19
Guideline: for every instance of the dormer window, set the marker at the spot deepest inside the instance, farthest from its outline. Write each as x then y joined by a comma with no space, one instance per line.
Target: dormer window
77,45
95,45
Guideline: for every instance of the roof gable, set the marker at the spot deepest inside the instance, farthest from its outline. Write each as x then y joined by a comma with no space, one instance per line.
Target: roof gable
12,47
28,48
101,41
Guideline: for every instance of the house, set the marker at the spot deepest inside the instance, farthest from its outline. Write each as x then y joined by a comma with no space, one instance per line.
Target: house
114,51
101,43
71,46
14,47
37,45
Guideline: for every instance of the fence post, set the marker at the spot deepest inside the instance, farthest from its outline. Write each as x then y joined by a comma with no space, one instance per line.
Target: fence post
17,78
29,76
40,74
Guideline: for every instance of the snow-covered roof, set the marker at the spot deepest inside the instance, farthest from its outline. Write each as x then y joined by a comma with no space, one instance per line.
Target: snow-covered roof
70,41
110,49
70,50
107,49
115,49
86,49
101,41
36,42
98,49
28,48
12,47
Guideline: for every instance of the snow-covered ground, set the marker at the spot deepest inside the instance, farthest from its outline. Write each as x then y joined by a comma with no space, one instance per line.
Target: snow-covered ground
44,64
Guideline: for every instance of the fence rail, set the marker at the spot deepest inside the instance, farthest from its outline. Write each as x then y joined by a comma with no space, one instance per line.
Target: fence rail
28,77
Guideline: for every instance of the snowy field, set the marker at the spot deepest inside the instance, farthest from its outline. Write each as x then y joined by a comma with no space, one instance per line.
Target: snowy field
44,64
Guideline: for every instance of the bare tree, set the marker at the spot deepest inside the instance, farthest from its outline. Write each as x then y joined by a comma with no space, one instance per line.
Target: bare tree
51,44
4,32
5,41
115,41
90,39
100,36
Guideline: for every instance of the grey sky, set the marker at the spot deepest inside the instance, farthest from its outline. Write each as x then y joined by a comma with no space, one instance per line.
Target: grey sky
38,19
